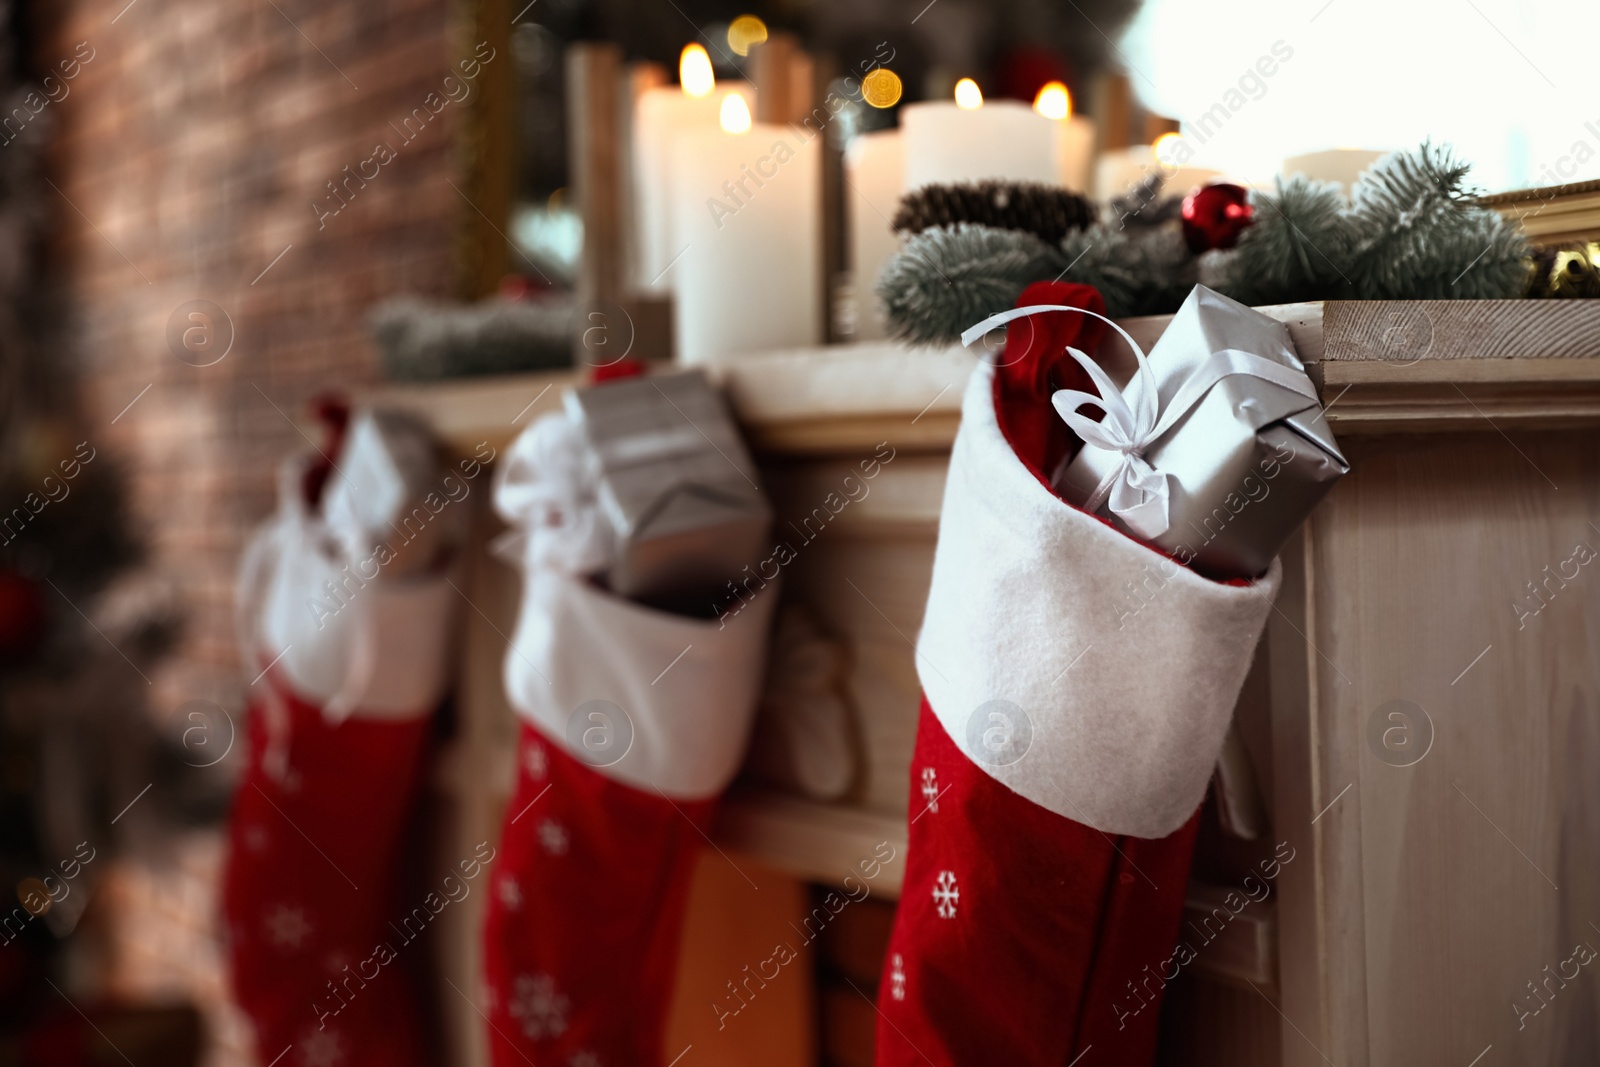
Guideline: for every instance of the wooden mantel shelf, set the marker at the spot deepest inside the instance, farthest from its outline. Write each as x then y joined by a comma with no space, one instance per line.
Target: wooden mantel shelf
818,842
1382,366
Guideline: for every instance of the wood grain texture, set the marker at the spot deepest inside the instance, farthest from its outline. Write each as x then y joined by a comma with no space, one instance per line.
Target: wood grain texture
595,147
1431,546
1552,215
1404,330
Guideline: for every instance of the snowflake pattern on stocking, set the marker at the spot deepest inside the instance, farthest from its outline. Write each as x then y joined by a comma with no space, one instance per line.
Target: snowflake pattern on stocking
535,762
287,927
584,1059
510,893
542,1010
553,837
256,838
321,1049
930,788
897,977
946,894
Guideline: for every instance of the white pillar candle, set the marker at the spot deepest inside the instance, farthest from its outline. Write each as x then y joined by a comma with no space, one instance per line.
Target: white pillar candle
660,115
1074,137
1075,153
748,208
1119,172
957,142
874,174
1342,165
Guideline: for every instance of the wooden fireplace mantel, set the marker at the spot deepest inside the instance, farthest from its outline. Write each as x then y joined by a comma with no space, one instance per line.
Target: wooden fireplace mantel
1383,366
1469,426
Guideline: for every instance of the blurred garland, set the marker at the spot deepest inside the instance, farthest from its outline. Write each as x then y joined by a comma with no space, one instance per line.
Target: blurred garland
1411,229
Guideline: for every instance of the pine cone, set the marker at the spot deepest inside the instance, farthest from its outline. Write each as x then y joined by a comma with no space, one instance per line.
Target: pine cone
1046,211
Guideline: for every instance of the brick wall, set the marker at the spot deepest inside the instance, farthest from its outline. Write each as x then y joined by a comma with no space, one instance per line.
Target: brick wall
187,155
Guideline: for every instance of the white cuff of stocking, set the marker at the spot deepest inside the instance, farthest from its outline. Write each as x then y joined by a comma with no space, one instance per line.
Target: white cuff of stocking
379,643
658,701
1084,671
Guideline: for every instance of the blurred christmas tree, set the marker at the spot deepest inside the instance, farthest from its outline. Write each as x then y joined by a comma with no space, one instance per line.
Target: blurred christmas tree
76,742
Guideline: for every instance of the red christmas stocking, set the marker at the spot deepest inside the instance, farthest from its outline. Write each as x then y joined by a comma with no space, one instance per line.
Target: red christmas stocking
1064,746
634,721
352,665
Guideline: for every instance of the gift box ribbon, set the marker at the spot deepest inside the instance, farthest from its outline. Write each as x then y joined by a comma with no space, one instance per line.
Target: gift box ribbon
1139,494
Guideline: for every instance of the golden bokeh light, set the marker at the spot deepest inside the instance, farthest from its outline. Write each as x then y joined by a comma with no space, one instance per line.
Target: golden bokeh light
881,88
745,32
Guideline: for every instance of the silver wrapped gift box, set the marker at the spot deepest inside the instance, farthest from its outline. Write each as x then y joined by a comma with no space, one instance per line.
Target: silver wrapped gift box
677,486
1235,442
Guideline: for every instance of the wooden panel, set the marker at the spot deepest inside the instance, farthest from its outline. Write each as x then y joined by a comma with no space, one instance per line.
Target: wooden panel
486,147
870,593
738,913
1322,979
1552,214
1435,395
854,945
1424,555
1243,948
595,96
474,773
849,1026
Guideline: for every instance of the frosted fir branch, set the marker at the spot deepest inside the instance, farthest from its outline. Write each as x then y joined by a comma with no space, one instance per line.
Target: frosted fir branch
947,278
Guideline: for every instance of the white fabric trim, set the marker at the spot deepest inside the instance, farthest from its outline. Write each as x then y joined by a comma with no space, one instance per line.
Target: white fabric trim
688,686
1127,694
381,645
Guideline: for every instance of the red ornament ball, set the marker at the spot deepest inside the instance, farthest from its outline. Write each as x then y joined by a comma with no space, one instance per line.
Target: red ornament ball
1215,215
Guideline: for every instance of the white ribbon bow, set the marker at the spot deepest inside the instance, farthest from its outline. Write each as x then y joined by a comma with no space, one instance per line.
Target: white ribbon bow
549,489
1139,494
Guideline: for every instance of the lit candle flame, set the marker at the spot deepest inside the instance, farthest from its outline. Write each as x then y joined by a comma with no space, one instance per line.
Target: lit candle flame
968,96
694,71
735,114
1053,101
1166,148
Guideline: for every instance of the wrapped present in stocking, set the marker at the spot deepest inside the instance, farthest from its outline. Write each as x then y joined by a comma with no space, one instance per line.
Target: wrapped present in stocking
634,720
344,617
1077,686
